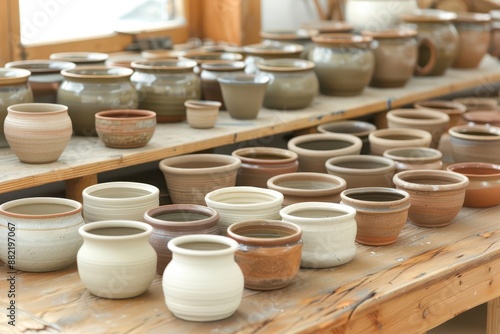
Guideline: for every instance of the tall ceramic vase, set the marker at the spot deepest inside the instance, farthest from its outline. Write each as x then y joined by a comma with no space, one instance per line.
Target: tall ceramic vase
203,282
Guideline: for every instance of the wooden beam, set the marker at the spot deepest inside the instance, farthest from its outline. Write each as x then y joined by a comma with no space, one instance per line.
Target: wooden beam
10,32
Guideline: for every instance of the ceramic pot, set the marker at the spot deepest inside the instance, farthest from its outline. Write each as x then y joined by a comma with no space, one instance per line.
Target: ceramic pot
243,94
123,59
434,121
328,232
359,129
292,84
384,139
203,281
81,58
170,221
307,187
378,14
437,26
164,86
14,89
209,74
407,158
494,47
116,260
45,230
242,203
118,200
362,170
211,57
38,132
269,50
88,90
202,114
162,54
474,39
299,36
436,196
45,77
344,63
315,148
269,252
190,177
483,190
473,103
475,143
258,164
454,110
480,117
381,213
128,128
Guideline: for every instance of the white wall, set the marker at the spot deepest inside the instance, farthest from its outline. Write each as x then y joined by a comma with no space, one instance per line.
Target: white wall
287,14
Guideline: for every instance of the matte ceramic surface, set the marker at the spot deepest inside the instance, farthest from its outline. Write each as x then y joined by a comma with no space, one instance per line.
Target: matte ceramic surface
298,36
407,158
46,232
483,117
209,74
455,110
116,260
474,39
269,50
81,58
202,114
384,139
473,103
475,143
359,129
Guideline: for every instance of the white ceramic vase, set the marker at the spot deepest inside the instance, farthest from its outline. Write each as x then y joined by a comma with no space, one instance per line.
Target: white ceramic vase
203,282
116,260
329,232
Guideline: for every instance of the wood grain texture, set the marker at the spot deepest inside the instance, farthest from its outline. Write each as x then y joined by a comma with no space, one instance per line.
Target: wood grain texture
493,323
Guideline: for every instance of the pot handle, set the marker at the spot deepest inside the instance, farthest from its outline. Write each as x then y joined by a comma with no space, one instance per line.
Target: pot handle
425,44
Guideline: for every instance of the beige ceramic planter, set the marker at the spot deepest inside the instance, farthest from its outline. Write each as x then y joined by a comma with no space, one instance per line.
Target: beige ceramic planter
475,143
455,110
407,158
474,39
359,129
202,114
384,139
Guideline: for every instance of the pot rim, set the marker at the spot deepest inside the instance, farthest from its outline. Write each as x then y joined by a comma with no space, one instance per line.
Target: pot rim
341,39
244,79
402,203
79,57
391,33
100,72
84,230
13,76
356,143
151,190
457,181
287,211
338,183
366,127
378,134
211,215
164,65
273,48
41,66
297,34
435,116
285,65
202,104
47,108
77,207
282,155
204,57
272,197
391,153
174,245
293,233
389,164
455,167
472,17
228,163
450,107
224,66
456,133
125,114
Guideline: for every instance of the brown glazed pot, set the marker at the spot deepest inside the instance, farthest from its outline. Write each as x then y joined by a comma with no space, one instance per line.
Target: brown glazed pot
269,252
170,221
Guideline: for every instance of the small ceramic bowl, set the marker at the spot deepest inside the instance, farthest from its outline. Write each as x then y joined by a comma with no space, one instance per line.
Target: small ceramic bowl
484,183
384,139
359,129
407,158
202,114
125,128
455,110
436,196
475,143
269,252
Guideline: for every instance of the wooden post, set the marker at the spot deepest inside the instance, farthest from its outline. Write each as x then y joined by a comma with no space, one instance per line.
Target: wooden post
74,187
493,317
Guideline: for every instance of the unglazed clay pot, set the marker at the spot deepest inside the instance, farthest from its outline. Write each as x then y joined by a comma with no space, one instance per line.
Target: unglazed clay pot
209,74
116,260
407,158
269,252
434,121
362,170
474,39
384,139
436,196
38,132
190,177
202,114
203,282
381,213
454,110
475,143
170,221
46,232
307,187
359,129
258,164
473,103
81,58
315,148
483,190
328,232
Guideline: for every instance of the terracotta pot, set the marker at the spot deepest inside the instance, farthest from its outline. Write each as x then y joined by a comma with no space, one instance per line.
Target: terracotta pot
454,110
209,74
474,39
202,114
475,143
269,252
436,196
128,128
381,213
116,260
328,232
483,190
434,121
359,129
46,233
314,149
307,187
190,177
258,164
384,139
81,58
473,103
203,281
38,132
407,158
170,221
362,170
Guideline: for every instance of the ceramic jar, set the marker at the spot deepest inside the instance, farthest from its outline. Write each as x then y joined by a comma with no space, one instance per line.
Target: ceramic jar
170,221
87,90
164,86
315,148
269,252
118,200
202,114
328,232
455,110
209,74
242,203
203,282
474,39
14,89
407,158
45,230
299,36
258,164
292,84
384,139
190,177
437,26
475,143
359,129
38,132
378,14
269,50
116,260
344,63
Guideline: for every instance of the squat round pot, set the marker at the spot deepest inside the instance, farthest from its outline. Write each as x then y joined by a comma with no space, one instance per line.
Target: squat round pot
359,129
455,110
384,139
479,143
407,158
